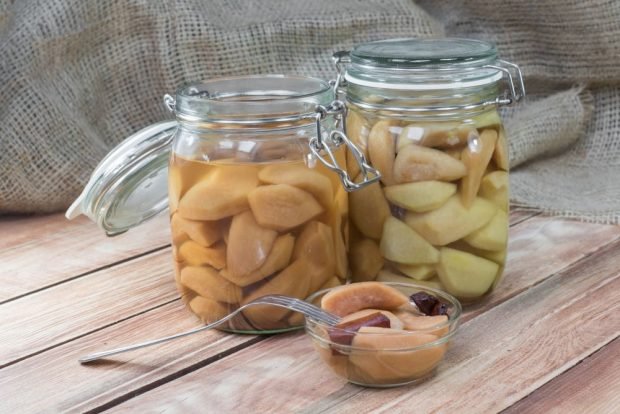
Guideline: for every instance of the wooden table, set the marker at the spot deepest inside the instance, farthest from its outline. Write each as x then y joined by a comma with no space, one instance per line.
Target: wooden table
547,340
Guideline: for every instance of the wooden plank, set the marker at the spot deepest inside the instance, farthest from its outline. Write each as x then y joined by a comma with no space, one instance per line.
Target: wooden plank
529,330
592,386
35,322
57,359
517,215
55,382
40,251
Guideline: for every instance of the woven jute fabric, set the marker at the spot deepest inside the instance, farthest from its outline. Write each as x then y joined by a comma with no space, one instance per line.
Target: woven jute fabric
78,76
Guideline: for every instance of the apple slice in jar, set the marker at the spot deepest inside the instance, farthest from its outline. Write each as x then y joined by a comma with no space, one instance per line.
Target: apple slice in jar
476,156
421,196
416,163
382,148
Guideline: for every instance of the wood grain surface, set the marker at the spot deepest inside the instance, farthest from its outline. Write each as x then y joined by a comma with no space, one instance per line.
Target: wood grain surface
546,340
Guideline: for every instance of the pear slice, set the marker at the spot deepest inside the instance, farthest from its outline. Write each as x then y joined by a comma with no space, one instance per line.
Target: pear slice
425,323
476,157
204,233
401,244
464,275
500,155
248,245
494,187
208,310
302,177
223,193
292,281
443,135
347,299
395,322
369,209
315,246
366,260
421,196
375,364
416,163
382,148
498,256
452,221
387,276
417,272
493,236
358,131
282,207
208,283
197,255
278,258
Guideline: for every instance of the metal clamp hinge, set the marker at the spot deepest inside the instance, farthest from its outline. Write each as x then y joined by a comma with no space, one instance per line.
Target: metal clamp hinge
335,139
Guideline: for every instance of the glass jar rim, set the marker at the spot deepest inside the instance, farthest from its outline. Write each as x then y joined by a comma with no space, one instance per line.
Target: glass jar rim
425,64
253,100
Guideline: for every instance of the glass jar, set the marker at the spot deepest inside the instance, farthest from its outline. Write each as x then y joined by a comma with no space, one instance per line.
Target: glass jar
425,114
257,194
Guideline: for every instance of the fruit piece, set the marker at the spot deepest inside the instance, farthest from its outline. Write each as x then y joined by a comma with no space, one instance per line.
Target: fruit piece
344,331
208,283
333,218
336,361
331,283
315,246
353,168
454,153
421,196
476,157
208,310
347,299
382,149
196,255
282,207
366,260
248,245
301,177
493,236
223,193
498,257
395,323
278,259
369,209
292,281
175,184
417,272
465,275
425,302
400,243
494,187
451,221
387,276
375,362
500,155
423,323
358,131
446,135
204,233
417,163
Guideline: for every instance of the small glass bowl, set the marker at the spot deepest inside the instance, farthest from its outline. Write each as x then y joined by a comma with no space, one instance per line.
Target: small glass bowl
387,360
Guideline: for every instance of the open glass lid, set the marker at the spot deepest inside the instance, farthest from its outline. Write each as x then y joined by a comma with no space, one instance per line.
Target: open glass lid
130,185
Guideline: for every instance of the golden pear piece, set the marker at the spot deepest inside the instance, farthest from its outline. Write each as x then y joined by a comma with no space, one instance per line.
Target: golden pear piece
382,149
476,157
416,163
351,298
401,244
282,207
248,245
421,196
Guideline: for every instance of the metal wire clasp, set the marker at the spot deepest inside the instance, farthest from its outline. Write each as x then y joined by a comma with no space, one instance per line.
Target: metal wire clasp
510,69
323,144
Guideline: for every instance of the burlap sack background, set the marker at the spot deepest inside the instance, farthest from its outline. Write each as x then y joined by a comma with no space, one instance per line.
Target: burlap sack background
77,76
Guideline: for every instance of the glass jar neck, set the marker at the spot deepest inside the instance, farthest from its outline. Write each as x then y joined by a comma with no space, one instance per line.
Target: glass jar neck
445,103
251,103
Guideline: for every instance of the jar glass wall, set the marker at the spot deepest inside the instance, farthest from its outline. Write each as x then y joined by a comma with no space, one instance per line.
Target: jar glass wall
430,126
252,213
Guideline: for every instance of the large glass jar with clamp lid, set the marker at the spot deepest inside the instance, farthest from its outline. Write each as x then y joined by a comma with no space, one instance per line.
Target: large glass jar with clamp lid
425,113
256,188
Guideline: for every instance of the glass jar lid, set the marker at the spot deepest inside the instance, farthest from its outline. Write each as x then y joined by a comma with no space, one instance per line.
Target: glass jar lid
418,53
424,64
130,185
